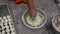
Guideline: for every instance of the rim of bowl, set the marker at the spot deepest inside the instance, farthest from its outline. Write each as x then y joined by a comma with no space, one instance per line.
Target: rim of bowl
38,26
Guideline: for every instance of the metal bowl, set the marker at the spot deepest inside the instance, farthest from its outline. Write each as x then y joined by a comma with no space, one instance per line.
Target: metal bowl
56,24
42,13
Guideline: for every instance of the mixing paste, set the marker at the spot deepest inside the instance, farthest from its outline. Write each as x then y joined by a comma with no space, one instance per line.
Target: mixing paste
38,21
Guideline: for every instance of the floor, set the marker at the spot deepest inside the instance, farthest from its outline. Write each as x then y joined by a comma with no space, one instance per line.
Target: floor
17,10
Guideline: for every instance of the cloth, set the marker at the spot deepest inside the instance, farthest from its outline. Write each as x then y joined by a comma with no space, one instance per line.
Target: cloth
21,1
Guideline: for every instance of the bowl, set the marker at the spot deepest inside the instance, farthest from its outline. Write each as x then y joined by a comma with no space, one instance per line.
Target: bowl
56,24
42,13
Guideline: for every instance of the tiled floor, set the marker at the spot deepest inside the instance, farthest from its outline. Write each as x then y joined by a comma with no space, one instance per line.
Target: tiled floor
17,10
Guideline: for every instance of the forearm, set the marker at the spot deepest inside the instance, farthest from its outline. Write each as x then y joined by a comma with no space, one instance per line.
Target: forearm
31,4
31,8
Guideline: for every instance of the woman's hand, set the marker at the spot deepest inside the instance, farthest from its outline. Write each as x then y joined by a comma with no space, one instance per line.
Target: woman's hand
31,8
32,12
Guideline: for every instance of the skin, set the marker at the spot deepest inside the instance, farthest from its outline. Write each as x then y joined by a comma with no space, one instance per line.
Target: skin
31,8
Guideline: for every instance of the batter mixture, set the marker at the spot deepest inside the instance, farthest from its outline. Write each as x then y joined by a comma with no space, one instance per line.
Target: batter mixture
38,21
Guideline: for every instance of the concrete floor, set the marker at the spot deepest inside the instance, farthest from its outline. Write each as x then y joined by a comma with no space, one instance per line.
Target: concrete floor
17,10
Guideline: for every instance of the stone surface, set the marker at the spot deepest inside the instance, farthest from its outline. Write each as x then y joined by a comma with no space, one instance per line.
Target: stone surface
17,10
